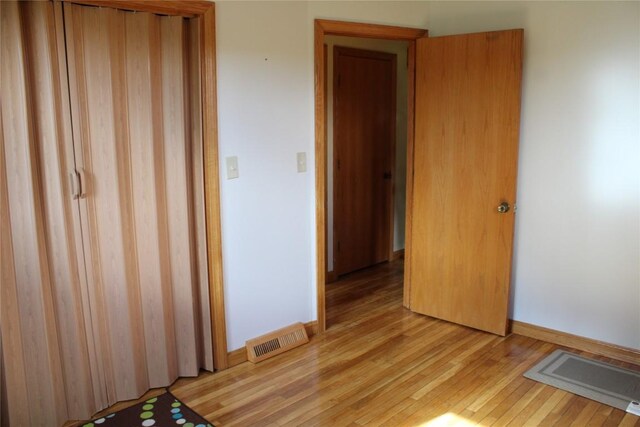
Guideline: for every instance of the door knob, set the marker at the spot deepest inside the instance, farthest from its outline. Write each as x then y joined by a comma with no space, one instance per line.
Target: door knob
503,207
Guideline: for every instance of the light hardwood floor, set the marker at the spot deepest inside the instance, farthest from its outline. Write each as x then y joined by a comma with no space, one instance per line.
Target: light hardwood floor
380,364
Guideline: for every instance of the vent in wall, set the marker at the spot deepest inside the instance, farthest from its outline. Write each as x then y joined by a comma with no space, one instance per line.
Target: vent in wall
276,342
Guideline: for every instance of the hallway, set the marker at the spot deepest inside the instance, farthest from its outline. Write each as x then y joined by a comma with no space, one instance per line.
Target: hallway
358,294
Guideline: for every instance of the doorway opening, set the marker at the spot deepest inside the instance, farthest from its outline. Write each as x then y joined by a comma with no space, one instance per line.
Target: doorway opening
366,150
467,125
325,166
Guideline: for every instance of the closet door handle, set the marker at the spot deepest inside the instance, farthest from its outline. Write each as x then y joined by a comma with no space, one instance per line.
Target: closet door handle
82,184
74,184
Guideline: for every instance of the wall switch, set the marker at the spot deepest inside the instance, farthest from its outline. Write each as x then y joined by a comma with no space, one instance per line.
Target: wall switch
232,167
302,162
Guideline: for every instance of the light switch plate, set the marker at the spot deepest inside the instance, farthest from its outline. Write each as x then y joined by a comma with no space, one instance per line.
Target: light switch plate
301,162
232,167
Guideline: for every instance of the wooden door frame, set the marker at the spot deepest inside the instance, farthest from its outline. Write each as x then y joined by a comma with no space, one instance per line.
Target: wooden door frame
353,29
204,11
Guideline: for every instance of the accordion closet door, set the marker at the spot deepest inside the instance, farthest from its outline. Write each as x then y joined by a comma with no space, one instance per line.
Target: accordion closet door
47,370
137,139
104,278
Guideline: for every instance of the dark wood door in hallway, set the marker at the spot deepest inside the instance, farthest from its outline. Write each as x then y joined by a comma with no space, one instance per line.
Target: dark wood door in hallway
364,114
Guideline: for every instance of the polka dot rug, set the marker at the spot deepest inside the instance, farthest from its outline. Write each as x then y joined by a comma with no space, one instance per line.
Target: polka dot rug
161,411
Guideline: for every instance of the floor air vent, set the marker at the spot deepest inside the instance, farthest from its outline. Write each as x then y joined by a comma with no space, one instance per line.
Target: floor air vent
276,342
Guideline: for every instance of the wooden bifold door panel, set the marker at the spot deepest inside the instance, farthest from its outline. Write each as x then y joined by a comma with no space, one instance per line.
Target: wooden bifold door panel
364,144
467,116
105,284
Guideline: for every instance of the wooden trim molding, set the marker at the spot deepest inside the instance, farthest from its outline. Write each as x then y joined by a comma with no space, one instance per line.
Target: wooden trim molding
332,276
239,355
411,91
399,254
321,171
212,186
186,8
204,11
324,27
577,342
311,328
375,31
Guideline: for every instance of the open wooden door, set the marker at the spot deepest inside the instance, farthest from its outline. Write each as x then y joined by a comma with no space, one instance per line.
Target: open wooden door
467,116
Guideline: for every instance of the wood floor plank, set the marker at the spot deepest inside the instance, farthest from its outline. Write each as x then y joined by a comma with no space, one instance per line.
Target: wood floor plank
557,400
574,408
630,420
503,412
468,388
600,416
554,418
614,418
532,407
582,419
380,364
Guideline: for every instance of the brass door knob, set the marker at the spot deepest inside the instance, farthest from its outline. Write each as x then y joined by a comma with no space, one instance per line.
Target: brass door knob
503,207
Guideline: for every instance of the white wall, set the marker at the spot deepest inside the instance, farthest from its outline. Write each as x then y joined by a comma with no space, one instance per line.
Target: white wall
265,90
577,248
399,48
